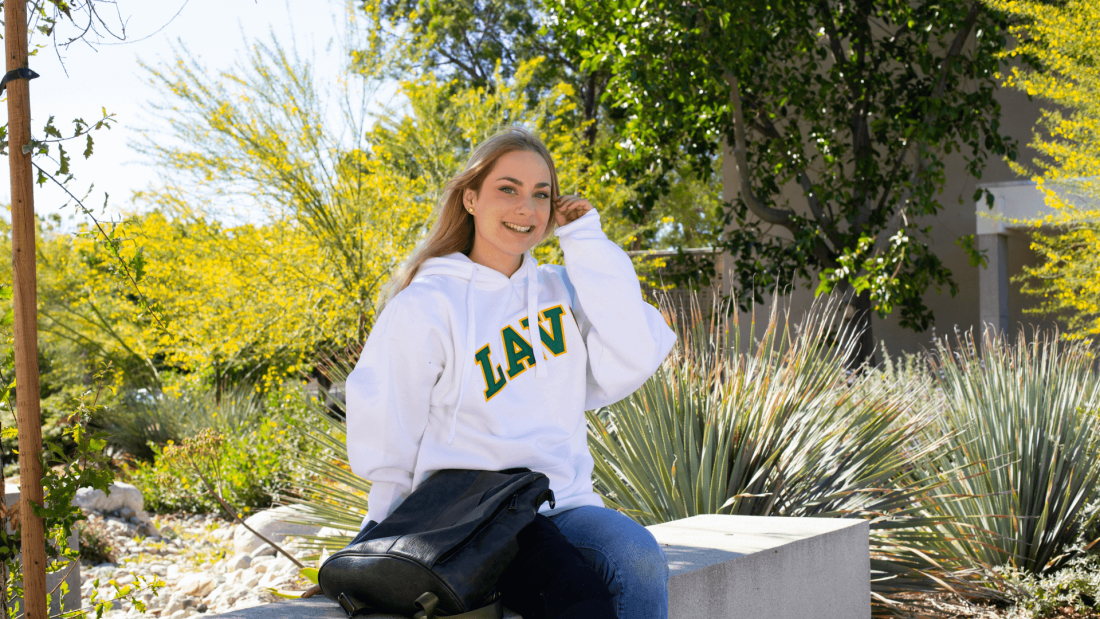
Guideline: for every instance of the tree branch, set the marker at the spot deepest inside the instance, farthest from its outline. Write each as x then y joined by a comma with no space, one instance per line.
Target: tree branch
770,215
232,512
952,52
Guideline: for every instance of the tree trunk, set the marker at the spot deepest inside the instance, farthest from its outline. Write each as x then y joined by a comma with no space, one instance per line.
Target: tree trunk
864,352
26,309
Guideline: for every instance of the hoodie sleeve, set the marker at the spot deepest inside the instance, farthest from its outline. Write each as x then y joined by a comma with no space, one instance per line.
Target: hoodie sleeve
627,338
388,396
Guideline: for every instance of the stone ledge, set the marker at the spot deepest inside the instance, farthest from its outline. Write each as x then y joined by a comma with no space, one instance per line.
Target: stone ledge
727,566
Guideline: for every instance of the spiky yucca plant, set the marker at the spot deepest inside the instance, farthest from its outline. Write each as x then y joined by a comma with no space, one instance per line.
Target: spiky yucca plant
1022,418
334,497
777,425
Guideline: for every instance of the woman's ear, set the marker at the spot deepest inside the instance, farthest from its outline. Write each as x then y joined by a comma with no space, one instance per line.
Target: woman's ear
468,197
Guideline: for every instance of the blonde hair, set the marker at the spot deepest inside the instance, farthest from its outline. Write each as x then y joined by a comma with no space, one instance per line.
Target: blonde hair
453,230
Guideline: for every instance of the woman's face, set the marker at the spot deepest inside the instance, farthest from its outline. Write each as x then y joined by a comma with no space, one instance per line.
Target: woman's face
511,211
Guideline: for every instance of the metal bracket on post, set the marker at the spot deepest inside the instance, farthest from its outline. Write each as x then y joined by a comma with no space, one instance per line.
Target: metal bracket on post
17,74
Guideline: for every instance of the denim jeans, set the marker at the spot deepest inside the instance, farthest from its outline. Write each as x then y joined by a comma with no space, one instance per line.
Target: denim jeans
625,554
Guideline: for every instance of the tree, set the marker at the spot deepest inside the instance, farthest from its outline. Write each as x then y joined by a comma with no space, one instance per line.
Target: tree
248,294
1064,40
463,42
838,113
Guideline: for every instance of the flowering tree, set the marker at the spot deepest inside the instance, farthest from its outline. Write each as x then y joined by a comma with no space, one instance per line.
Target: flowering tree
1065,41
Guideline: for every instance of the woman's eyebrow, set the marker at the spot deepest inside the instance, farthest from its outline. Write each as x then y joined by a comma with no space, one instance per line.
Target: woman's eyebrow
520,183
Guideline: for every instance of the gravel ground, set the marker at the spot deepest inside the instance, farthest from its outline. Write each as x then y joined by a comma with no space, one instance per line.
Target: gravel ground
194,557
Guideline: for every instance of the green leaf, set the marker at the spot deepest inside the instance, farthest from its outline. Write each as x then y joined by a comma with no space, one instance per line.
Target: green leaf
63,163
88,148
51,130
309,573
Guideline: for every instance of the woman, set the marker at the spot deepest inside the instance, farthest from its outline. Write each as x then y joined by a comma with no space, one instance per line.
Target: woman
453,375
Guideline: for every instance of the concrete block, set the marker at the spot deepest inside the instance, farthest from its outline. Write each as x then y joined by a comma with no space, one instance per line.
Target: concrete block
746,566
727,566
72,577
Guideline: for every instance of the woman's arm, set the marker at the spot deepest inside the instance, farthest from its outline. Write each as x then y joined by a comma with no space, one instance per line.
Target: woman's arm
627,338
387,404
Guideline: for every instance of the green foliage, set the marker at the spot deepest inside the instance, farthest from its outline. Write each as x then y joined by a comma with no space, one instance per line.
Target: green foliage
852,107
1021,422
780,430
250,463
332,495
1076,585
73,461
95,547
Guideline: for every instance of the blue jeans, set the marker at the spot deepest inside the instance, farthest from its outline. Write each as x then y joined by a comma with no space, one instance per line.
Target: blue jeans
625,554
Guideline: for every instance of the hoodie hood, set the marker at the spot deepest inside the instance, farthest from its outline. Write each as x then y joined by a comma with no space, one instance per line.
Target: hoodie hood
460,266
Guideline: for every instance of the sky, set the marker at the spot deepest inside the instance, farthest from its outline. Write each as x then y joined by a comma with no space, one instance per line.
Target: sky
108,76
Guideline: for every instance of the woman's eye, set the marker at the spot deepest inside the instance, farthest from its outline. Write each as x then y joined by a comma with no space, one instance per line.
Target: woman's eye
508,189
542,195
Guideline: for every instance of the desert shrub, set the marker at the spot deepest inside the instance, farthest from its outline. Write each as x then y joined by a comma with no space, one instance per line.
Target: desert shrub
95,547
1022,429
783,429
253,459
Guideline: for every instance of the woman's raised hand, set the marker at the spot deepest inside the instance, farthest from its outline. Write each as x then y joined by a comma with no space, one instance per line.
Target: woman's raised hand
569,208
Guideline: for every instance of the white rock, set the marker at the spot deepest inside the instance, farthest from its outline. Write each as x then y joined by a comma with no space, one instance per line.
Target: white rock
265,550
121,496
174,605
334,532
173,572
260,564
238,562
251,578
271,524
196,584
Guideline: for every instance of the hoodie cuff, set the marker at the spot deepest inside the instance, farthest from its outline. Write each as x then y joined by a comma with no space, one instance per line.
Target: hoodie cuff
589,222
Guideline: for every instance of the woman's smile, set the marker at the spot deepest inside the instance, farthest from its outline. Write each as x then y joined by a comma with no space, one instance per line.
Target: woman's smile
521,229
511,210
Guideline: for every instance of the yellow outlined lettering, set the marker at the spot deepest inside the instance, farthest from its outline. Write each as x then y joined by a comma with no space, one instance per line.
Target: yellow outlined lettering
494,381
521,355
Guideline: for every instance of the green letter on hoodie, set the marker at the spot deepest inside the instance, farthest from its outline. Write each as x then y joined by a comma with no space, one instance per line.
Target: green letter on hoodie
520,354
555,344
493,384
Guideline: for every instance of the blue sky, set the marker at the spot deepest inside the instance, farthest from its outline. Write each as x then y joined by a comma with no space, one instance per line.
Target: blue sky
109,76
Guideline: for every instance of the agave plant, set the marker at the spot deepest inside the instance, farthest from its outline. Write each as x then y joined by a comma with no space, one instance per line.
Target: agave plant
145,418
1023,418
783,429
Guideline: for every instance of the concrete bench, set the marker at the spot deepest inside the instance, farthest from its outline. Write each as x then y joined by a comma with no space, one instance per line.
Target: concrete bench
727,566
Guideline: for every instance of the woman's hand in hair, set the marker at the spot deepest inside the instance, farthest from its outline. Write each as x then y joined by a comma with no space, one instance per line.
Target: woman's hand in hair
569,208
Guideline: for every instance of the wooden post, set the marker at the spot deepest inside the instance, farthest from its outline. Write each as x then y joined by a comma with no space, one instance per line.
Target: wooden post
26,314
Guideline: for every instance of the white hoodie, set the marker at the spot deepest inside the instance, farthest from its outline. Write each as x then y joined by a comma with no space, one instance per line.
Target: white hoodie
458,335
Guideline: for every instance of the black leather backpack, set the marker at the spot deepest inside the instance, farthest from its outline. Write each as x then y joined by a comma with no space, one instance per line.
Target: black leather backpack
441,552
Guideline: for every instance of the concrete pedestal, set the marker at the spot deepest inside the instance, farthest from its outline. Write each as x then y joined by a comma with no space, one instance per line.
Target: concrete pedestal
727,566
72,598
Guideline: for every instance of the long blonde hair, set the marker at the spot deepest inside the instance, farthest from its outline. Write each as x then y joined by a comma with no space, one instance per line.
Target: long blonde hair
453,230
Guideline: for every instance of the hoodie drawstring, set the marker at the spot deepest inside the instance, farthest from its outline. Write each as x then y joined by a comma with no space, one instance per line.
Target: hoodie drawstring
465,353
533,315
541,370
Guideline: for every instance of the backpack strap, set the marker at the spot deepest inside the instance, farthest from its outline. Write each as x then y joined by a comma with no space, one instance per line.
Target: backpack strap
427,603
353,606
